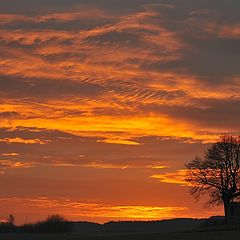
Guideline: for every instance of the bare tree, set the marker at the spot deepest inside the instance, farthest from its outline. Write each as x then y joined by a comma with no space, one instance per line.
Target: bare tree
217,173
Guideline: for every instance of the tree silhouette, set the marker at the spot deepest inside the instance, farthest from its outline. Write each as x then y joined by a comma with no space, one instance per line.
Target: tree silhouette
11,219
217,173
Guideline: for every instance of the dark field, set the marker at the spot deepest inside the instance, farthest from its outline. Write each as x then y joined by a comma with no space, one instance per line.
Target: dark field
215,235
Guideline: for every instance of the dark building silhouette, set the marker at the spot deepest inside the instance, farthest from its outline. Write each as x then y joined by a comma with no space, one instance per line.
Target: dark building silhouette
234,213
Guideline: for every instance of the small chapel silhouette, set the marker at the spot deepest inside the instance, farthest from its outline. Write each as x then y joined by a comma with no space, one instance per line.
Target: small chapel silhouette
234,213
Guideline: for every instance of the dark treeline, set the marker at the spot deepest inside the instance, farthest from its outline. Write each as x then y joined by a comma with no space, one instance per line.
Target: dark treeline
57,224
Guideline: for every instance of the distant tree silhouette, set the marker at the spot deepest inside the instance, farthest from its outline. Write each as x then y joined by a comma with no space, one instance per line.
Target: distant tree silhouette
217,173
11,219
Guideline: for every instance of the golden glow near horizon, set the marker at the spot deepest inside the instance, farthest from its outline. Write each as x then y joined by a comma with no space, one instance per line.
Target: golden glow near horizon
126,94
102,212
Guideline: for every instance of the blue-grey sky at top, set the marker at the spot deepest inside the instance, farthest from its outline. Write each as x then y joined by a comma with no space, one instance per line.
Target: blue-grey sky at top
45,6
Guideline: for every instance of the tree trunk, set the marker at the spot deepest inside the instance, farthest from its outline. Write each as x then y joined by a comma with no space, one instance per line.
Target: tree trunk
226,210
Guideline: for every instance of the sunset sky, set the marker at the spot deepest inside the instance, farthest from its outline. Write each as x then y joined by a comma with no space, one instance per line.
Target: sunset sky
102,102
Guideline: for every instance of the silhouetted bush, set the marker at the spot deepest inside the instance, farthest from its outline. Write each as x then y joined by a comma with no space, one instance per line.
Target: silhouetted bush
55,218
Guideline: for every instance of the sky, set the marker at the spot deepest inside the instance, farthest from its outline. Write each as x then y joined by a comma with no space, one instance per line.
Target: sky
102,102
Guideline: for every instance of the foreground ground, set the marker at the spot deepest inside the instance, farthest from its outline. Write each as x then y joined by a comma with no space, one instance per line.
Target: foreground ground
215,235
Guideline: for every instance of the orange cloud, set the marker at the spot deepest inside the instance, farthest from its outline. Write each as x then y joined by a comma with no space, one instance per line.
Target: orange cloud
24,141
10,154
177,177
231,31
61,16
114,129
91,164
8,164
110,127
120,141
